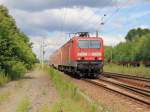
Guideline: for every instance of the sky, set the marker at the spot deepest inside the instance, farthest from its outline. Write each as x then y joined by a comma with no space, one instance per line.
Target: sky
52,20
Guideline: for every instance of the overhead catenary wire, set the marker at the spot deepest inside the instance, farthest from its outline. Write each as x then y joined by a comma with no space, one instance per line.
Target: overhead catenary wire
84,21
63,20
101,21
64,17
114,13
98,19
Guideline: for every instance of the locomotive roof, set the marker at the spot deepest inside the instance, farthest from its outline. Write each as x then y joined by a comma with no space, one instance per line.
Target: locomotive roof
77,37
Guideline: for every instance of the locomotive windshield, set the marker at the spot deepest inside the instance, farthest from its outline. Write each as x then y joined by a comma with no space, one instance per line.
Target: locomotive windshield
88,44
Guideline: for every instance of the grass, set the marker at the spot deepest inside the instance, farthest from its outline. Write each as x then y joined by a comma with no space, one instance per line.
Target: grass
70,99
137,71
45,108
4,96
68,105
24,105
3,78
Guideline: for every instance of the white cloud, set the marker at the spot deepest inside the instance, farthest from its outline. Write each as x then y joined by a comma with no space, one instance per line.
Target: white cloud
52,42
36,5
112,40
138,15
144,26
67,19
124,20
124,3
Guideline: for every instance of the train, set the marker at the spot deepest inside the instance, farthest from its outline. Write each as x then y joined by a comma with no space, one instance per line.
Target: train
82,56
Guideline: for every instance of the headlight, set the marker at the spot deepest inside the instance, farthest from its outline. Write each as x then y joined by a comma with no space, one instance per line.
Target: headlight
96,54
82,54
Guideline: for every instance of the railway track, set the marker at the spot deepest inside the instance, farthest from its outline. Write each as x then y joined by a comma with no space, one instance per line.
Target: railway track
133,80
127,76
141,95
144,91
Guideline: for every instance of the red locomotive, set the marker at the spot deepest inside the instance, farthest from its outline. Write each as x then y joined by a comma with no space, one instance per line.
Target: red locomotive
81,56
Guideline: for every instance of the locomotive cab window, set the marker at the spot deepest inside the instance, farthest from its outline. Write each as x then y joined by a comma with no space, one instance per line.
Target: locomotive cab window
83,44
94,44
88,44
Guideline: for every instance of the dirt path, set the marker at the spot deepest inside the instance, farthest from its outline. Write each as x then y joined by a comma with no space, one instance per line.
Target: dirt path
36,87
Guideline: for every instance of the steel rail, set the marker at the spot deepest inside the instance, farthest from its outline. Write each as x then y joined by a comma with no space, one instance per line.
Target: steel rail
145,101
134,89
126,76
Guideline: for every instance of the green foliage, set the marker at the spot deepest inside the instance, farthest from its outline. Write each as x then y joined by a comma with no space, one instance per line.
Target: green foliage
136,48
45,108
24,105
123,52
108,53
16,54
3,78
16,69
67,105
136,33
64,88
142,48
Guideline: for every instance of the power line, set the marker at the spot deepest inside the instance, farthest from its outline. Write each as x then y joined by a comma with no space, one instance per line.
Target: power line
65,13
63,19
89,18
100,21
114,13
82,21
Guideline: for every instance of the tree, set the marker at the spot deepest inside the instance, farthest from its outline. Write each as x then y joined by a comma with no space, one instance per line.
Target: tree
136,48
108,53
123,52
16,54
136,33
142,48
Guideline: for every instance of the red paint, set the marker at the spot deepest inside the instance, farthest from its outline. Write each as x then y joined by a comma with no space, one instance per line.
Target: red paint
63,57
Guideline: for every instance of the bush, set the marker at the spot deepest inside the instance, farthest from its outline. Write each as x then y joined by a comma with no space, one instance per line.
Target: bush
16,69
136,71
3,78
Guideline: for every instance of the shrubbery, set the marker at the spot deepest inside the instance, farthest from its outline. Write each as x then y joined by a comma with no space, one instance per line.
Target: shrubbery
137,71
16,56
16,69
3,78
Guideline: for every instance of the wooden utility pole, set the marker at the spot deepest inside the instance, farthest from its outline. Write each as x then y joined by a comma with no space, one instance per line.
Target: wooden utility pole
42,53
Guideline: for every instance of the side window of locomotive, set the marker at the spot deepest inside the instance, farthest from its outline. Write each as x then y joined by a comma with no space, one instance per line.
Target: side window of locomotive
83,44
94,44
